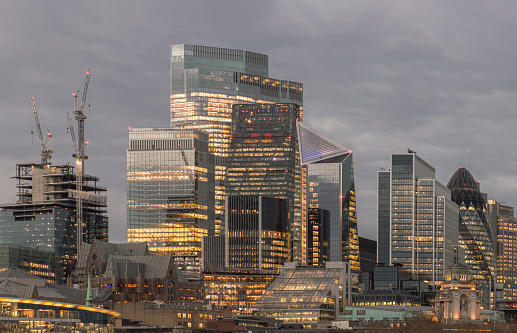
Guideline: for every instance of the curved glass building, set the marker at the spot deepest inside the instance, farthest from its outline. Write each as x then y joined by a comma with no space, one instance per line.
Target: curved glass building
475,231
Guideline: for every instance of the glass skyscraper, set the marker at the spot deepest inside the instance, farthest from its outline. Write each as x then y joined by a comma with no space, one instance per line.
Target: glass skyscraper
170,192
502,216
475,231
257,232
328,183
417,221
263,159
205,83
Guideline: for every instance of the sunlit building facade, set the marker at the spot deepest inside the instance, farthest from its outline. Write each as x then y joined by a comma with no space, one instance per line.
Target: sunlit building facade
417,221
263,158
506,247
328,183
205,83
476,236
170,192
236,289
257,232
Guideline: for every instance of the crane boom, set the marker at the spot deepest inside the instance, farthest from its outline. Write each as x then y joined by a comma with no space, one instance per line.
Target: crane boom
79,155
46,145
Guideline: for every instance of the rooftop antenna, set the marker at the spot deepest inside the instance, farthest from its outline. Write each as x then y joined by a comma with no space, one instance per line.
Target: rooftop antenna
468,158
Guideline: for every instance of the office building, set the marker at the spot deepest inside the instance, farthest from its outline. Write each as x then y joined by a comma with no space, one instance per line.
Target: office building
328,183
205,83
368,260
257,232
318,236
236,289
475,231
417,221
307,294
263,159
44,215
42,264
170,192
502,216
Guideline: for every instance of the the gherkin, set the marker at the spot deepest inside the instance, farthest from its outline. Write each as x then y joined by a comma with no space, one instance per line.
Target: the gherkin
475,231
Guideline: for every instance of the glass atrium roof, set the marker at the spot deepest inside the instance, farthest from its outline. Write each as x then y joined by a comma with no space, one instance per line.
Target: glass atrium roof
315,147
299,289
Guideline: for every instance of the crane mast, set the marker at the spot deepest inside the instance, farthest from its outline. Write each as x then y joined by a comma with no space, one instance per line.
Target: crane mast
80,156
46,145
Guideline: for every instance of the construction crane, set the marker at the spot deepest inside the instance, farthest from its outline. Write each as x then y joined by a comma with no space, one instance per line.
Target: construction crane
79,155
46,145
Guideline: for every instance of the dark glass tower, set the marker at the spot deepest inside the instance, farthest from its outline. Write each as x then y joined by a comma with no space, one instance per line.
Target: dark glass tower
263,159
257,233
475,230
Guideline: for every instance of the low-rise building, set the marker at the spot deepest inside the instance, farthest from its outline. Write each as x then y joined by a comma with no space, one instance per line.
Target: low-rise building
307,294
129,273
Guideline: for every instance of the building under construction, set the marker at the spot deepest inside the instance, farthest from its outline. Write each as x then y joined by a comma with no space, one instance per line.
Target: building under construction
44,215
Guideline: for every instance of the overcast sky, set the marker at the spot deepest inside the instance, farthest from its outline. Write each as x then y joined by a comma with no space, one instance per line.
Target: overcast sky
379,77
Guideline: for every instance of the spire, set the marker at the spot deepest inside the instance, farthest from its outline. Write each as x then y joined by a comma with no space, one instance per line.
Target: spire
89,299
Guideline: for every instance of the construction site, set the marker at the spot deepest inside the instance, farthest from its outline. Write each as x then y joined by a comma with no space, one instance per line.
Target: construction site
58,206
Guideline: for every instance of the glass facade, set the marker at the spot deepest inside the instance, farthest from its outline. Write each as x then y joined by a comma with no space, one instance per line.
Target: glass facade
328,183
25,315
42,264
205,83
263,157
236,289
257,233
422,228
318,236
170,192
506,247
307,293
383,217
475,231
44,216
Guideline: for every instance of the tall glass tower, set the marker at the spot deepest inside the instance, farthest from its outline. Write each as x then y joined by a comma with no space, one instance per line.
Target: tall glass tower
205,83
328,183
417,221
170,192
263,158
475,231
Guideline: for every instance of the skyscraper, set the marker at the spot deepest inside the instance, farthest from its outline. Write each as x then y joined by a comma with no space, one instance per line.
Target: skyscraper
328,183
505,247
257,234
417,221
205,83
170,192
475,231
263,158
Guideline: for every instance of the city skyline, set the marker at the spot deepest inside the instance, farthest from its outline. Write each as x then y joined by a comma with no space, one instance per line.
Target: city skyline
410,80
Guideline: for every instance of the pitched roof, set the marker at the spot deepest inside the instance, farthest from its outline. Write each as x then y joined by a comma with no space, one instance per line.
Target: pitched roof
18,275
154,266
126,249
314,147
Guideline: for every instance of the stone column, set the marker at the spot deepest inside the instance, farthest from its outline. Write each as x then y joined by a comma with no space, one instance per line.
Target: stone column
455,306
